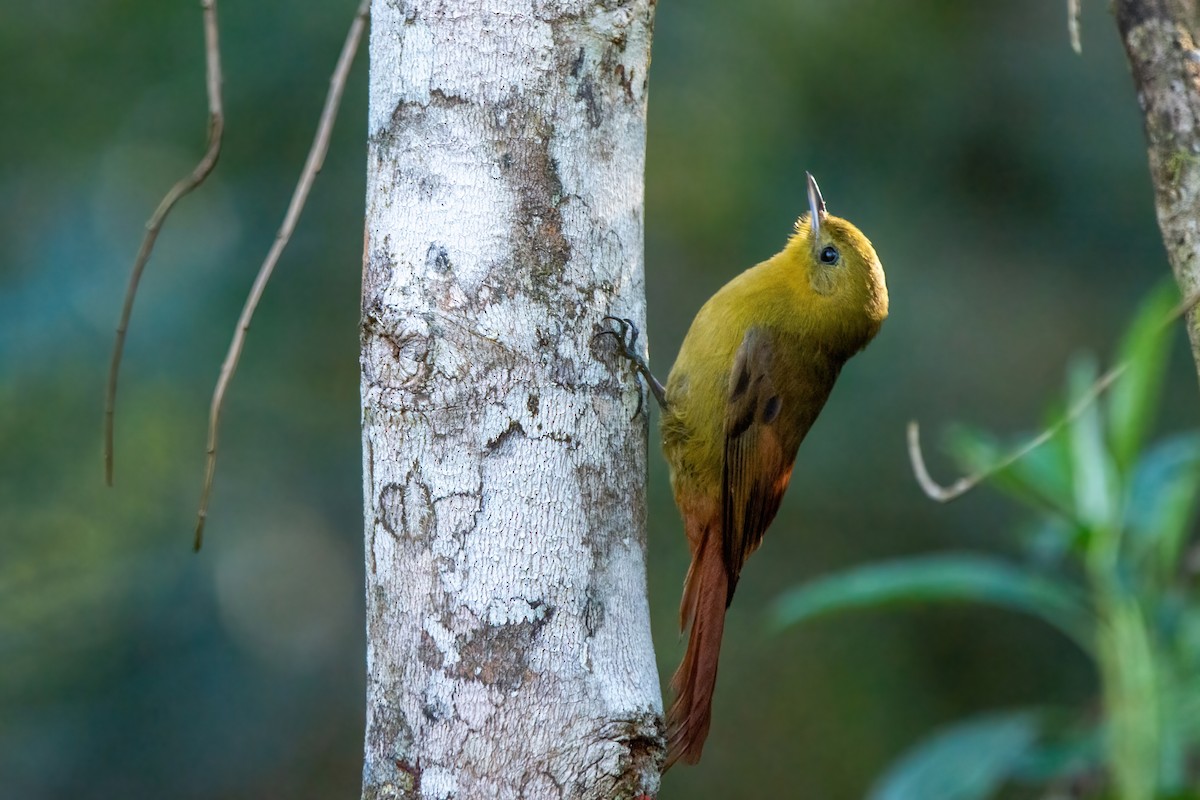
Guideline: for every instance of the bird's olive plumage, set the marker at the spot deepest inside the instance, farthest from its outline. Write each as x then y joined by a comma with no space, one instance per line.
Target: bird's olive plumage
813,315
754,371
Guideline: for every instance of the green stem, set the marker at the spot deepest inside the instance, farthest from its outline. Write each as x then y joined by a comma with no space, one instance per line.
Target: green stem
1128,672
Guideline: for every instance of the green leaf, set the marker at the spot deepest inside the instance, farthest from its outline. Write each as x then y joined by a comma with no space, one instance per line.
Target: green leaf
1186,635
967,761
1162,500
1040,479
1133,400
1180,723
1048,541
955,578
1094,474
1062,752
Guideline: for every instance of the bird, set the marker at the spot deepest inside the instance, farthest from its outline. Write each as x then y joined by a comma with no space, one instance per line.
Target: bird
753,373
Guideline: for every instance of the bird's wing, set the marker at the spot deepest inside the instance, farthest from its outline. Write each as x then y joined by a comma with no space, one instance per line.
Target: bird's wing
756,468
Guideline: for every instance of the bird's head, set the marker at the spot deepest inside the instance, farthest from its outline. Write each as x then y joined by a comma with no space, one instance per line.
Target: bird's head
841,265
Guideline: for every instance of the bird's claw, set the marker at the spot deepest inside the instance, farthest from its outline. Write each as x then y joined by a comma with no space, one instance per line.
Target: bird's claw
626,334
625,327
641,403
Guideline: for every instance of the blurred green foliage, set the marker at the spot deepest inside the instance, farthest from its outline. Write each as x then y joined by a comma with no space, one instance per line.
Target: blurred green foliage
1001,177
1108,562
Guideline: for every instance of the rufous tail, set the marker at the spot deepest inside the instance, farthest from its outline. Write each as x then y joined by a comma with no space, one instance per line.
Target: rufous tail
705,596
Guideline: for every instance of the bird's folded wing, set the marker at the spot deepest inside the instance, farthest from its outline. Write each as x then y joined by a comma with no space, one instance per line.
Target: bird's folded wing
756,470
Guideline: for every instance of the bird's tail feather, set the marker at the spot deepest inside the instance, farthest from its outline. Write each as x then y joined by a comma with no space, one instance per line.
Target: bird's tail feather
705,596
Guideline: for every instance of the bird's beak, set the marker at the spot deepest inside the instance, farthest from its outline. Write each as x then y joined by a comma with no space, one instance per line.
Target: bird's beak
816,206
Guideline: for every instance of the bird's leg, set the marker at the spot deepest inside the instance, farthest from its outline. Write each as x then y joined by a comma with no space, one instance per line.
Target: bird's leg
626,335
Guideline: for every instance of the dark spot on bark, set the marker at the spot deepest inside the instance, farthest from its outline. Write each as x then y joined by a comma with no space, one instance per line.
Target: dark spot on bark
771,410
442,98
587,93
369,322
644,755
428,185
533,403
641,745
626,81
514,428
429,653
565,372
398,114
609,513
539,250
577,64
391,508
434,712
410,780
643,748
593,611
498,655
407,509
437,258
444,565
1130,15
383,266
407,110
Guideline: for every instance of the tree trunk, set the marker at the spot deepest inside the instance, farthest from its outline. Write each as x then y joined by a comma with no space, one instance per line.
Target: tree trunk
509,650
1160,41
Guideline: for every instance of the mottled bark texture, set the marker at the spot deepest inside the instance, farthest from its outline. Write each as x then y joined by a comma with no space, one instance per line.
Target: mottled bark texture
509,650
1160,40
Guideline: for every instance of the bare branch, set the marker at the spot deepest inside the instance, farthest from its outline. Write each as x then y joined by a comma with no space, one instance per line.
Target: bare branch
316,158
944,494
216,126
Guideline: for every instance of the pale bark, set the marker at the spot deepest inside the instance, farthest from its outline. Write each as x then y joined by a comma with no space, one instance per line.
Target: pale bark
1160,40
509,650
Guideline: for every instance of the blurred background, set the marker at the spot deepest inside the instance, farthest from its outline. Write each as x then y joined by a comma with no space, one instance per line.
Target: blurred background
1001,177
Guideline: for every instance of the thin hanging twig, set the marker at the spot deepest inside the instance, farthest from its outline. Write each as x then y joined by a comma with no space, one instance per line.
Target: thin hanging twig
216,126
316,157
944,494
1073,26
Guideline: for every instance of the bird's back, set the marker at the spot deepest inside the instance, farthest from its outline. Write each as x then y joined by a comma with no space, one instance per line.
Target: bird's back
765,297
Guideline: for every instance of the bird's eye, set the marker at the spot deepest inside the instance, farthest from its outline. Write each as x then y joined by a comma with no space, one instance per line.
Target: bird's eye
830,255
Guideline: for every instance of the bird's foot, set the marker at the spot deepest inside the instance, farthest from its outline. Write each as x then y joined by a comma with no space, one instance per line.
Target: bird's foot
626,334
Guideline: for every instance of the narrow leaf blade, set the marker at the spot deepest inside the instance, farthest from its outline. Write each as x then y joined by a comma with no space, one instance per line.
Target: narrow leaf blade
967,761
1162,500
1092,465
1146,346
944,578
1041,478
